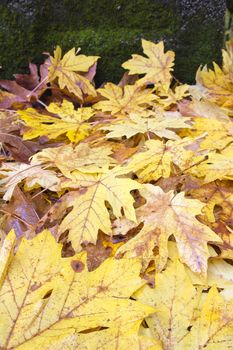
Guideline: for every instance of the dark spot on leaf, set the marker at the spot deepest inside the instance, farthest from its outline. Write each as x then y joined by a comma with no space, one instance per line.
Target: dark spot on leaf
77,265
102,289
91,330
35,286
47,294
83,190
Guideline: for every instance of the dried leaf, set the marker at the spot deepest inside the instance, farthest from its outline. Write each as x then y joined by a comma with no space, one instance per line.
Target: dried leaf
49,301
82,158
89,212
175,323
69,72
157,66
70,122
34,175
158,124
125,100
175,215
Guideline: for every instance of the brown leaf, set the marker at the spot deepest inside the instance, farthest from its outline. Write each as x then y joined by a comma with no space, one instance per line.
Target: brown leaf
28,81
25,87
20,150
19,213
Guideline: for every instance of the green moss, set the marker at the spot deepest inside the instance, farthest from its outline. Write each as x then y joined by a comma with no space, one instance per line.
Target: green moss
200,43
137,14
111,29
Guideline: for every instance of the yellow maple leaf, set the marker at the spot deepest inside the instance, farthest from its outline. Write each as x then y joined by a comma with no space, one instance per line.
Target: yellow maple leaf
70,122
220,275
219,86
89,213
148,122
210,122
33,174
51,302
69,72
167,97
213,327
217,166
181,321
155,158
130,98
82,158
174,300
175,215
142,245
204,109
157,67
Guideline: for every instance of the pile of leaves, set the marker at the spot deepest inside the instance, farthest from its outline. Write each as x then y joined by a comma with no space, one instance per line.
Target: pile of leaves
117,206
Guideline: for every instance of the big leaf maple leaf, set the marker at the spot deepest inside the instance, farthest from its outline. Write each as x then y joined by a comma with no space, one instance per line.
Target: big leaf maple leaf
217,166
51,302
158,124
157,67
155,158
171,214
216,133
82,158
130,98
70,122
174,300
181,321
32,174
25,86
214,325
167,97
89,212
69,72
219,86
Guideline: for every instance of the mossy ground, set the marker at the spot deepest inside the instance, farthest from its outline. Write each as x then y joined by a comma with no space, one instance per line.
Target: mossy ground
111,29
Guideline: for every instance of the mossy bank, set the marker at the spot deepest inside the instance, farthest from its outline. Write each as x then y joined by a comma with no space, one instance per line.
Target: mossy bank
111,29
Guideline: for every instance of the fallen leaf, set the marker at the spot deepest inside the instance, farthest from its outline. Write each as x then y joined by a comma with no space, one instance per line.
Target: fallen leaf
34,175
69,72
180,321
157,67
20,213
82,158
174,301
70,122
173,214
217,166
89,212
158,124
122,101
49,301
155,158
